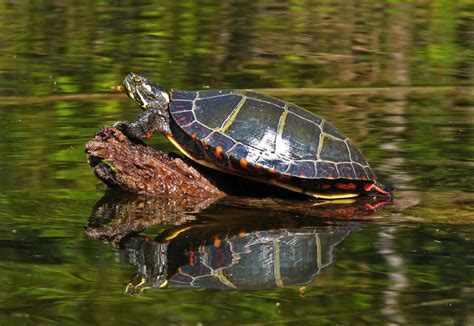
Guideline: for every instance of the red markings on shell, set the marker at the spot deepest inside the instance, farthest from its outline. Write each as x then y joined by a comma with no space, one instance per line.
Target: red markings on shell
217,242
346,186
218,152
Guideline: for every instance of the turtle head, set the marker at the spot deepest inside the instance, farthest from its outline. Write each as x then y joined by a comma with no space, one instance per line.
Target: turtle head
147,93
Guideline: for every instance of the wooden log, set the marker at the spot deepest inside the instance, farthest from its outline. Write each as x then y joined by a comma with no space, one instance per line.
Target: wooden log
139,169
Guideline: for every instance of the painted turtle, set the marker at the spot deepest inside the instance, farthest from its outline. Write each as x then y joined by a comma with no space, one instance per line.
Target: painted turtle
253,136
263,255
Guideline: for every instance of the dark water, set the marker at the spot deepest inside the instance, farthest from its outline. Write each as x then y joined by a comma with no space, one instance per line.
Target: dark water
395,76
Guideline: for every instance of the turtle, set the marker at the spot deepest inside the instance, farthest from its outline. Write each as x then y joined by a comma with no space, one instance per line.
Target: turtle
246,255
254,136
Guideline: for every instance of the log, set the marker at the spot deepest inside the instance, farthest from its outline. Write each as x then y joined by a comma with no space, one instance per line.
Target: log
139,169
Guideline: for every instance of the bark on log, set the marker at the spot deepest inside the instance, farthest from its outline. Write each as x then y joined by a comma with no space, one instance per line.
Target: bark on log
139,169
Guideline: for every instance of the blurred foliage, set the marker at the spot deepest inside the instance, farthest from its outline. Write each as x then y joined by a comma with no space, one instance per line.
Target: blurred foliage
54,46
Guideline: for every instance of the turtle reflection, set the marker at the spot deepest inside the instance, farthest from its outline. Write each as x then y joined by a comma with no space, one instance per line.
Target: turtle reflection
274,254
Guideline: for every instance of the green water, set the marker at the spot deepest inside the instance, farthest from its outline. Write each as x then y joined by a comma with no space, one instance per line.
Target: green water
395,76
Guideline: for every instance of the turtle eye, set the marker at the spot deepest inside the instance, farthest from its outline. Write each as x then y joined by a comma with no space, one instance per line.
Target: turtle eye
137,79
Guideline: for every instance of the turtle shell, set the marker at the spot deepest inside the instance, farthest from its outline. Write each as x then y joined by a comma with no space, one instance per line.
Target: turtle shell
237,255
264,138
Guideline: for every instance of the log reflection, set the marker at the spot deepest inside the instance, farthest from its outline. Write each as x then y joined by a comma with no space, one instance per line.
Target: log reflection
265,247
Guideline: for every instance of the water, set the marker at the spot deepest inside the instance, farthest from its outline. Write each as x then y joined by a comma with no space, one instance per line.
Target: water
396,77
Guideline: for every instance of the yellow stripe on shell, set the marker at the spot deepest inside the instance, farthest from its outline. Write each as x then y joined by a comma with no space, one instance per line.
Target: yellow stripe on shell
319,257
224,279
277,264
281,123
230,120
176,233
164,284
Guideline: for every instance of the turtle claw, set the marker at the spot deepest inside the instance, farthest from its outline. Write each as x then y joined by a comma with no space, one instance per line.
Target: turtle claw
129,130
123,126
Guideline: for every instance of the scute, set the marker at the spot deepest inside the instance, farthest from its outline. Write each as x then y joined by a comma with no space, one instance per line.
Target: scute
356,156
273,165
359,171
303,169
299,111
264,98
345,170
197,130
299,140
334,150
217,139
370,174
214,111
183,95
184,118
214,93
178,106
256,125
326,170
333,131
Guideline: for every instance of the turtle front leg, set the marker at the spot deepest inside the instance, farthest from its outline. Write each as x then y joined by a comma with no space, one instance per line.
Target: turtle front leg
131,130
145,126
